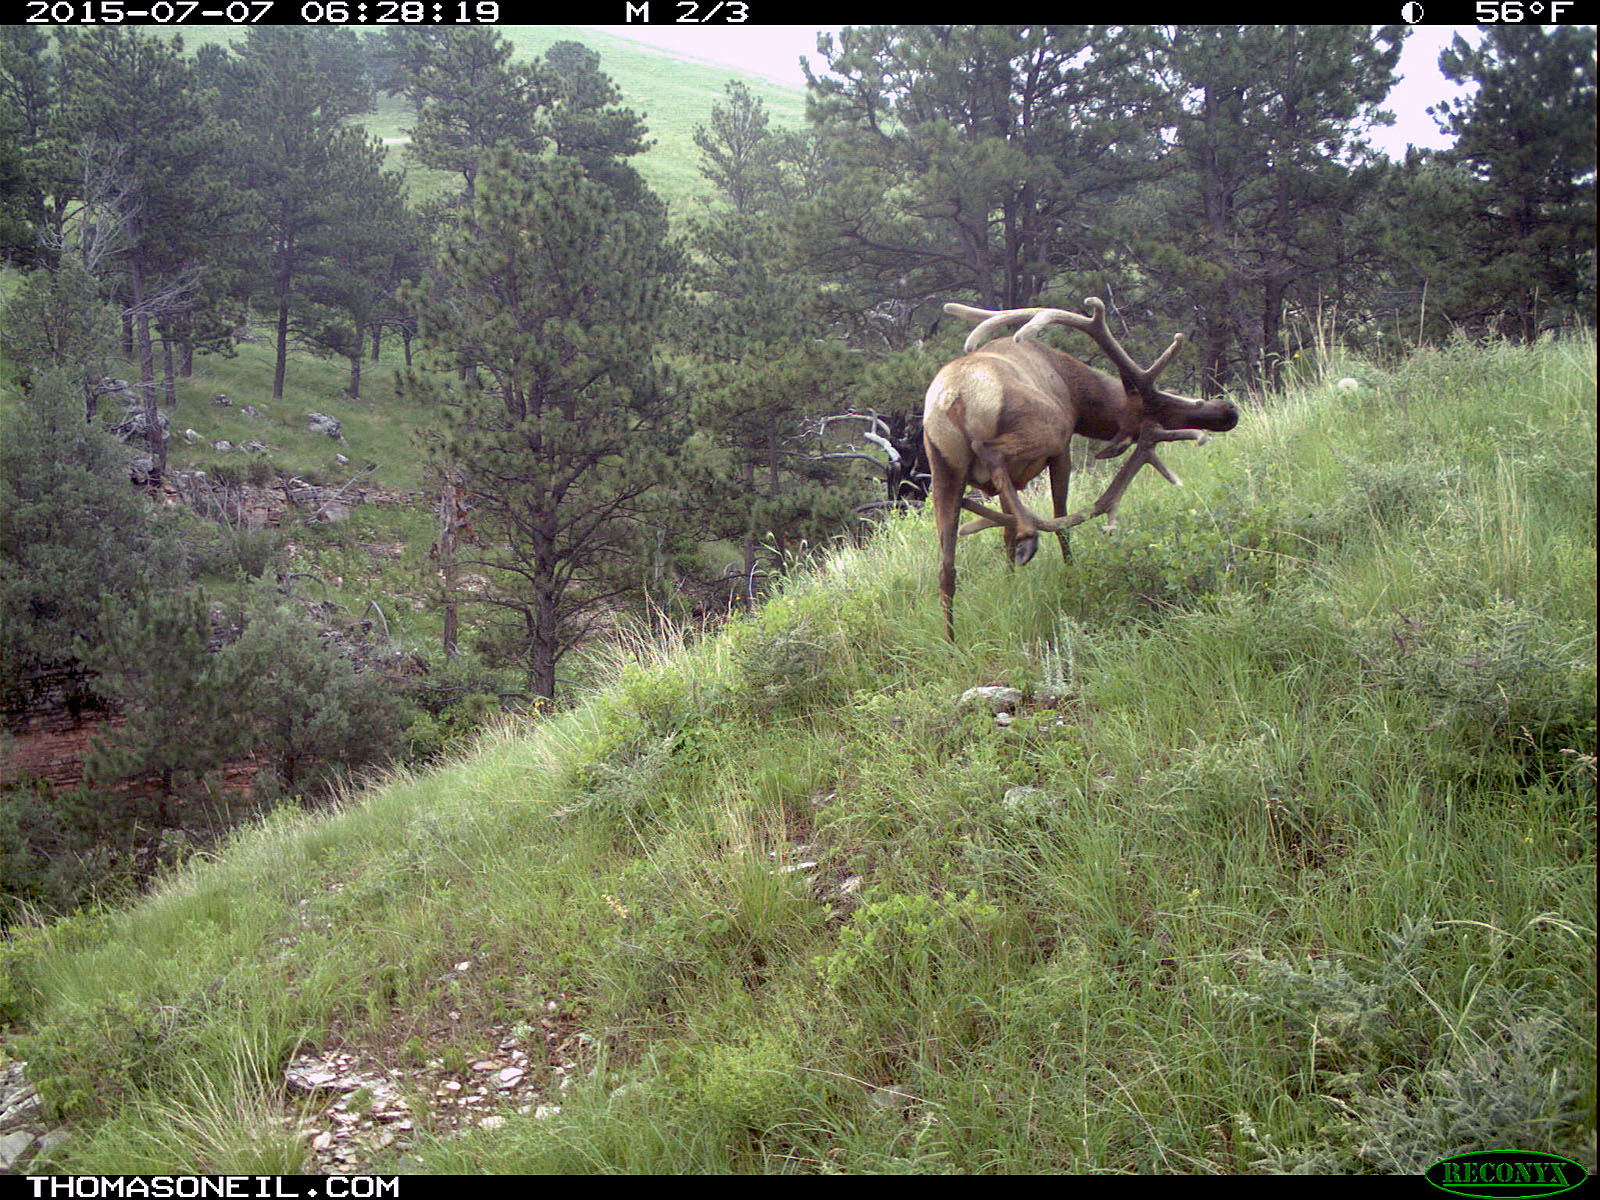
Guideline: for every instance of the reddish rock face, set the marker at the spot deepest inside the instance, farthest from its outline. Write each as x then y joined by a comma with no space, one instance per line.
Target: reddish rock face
52,741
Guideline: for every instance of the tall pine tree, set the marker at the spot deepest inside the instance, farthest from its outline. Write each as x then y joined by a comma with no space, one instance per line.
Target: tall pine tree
136,116
1251,214
1526,138
554,295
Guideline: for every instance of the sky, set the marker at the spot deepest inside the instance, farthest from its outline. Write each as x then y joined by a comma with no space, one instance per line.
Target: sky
774,51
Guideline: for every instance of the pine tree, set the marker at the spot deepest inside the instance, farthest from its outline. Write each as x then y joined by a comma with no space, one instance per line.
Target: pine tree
553,295
1526,137
370,240
1252,212
151,772
136,116
587,124
322,199
58,321
768,374
307,712
72,532
976,161
470,98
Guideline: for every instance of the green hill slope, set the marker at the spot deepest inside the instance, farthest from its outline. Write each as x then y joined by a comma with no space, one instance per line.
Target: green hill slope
1285,861
672,93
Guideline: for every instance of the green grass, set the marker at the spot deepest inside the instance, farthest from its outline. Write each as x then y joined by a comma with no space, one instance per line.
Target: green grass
1301,877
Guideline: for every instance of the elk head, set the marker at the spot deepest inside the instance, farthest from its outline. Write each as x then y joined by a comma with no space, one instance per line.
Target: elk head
1005,411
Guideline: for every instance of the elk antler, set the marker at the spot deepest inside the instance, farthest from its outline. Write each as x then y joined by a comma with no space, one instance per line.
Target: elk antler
990,319
1095,327
1140,379
1144,452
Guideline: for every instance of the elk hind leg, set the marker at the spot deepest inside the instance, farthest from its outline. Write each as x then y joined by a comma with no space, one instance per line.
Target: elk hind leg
946,487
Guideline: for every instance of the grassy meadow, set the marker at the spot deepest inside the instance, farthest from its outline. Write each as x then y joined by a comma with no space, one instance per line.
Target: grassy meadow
1286,864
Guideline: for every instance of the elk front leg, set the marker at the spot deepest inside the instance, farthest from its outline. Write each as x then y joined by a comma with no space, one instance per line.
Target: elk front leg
1060,477
1022,532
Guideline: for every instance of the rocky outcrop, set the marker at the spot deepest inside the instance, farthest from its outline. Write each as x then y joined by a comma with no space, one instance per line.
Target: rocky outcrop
271,504
25,1135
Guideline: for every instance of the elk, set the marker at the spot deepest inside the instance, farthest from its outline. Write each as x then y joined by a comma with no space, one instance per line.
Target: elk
1003,412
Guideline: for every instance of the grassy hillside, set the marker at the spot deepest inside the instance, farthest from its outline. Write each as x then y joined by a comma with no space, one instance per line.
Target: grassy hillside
672,93
1287,862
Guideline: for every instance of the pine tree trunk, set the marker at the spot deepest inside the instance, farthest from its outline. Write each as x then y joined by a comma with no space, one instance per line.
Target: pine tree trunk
282,292
147,371
449,513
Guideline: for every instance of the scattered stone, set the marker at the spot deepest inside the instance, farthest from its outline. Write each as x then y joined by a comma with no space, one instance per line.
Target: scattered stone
222,444
26,1137
135,422
359,1111
1028,801
322,423
890,1099
993,699
1053,695
16,1148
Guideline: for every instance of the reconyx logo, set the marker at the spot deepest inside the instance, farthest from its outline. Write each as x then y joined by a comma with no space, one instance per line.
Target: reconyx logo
1498,1173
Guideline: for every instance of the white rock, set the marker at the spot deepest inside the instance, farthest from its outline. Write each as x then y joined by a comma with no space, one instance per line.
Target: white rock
994,699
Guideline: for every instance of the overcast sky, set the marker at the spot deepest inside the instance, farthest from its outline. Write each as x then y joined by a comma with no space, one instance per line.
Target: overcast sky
774,51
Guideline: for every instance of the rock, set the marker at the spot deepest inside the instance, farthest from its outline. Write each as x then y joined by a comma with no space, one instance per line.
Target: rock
1053,695
890,1099
222,444
15,1149
322,423
1028,801
136,422
990,699
25,1135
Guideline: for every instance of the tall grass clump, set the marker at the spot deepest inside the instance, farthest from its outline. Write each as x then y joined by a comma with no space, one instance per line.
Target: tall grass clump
1285,861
